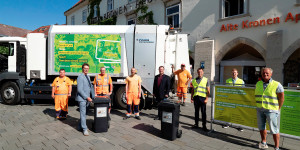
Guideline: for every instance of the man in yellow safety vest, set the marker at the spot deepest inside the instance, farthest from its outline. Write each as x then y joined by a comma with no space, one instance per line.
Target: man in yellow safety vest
234,81
199,96
269,96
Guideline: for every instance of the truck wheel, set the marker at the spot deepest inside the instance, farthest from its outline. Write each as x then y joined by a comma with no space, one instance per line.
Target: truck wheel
121,97
10,93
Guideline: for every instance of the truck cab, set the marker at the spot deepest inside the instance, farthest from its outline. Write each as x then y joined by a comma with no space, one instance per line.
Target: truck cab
12,68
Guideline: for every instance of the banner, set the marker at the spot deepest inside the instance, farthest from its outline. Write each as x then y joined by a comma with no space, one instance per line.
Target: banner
290,113
235,105
98,50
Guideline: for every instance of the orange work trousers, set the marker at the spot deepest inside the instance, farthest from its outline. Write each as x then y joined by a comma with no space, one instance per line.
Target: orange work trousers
61,103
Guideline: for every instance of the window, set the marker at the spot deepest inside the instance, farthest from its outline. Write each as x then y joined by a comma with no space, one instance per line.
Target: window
131,21
84,15
297,3
110,5
233,7
7,49
173,16
95,11
73,20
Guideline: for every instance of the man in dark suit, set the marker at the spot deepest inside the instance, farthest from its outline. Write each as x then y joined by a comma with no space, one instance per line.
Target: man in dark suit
85,94
161,87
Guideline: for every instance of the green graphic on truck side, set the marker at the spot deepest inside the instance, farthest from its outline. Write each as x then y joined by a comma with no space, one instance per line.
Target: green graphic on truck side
98,50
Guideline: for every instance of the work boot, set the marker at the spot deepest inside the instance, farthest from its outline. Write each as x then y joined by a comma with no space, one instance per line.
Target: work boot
183,104
205,129
137,117
195,126
126,117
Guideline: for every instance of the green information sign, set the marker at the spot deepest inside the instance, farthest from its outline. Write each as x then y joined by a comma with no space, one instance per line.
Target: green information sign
235,105
290,113
98,50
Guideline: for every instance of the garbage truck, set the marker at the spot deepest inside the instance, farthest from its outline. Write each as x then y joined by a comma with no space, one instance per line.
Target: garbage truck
29,65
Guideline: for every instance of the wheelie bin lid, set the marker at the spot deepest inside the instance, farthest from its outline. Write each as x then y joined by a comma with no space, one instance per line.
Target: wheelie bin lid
101,100
168,104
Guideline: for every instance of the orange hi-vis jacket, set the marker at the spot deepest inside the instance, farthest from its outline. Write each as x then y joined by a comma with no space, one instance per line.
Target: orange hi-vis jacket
102,84
61,88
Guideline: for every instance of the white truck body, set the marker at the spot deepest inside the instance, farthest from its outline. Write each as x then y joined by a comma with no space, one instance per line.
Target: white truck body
145,47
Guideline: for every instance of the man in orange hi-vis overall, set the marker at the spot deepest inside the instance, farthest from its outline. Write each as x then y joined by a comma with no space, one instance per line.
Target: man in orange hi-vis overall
61,91
184,77
103,85
133,94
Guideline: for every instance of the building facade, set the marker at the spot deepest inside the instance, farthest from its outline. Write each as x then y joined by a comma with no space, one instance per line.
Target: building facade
223,34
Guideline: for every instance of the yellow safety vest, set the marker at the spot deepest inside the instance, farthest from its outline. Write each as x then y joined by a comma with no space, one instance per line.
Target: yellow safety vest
200,90
267,98
238,82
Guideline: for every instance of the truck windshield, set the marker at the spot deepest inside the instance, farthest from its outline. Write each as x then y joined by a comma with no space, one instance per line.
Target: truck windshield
6,49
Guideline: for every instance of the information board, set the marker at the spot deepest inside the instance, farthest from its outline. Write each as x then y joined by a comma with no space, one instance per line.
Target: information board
98,50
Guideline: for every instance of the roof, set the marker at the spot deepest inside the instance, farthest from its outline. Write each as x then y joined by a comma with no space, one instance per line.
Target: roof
42,29
7,30
79,2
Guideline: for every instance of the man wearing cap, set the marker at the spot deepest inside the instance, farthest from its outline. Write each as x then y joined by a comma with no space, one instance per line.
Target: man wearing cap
184,77
269,96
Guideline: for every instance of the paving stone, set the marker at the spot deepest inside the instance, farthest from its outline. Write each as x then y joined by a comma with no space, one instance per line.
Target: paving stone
171,146
49,143
143,146
60,146
40,131
127,145
3,131
72,142
34,146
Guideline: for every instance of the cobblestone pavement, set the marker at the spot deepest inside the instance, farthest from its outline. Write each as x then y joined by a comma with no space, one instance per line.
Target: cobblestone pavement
33,127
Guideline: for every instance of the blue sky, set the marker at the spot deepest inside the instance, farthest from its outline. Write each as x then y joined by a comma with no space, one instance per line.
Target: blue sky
32,14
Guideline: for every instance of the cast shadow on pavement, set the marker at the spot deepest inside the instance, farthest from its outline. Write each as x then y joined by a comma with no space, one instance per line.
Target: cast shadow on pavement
121,114
237,139
148,115
148,128
245,142
117,112
191,117
71,121
198,130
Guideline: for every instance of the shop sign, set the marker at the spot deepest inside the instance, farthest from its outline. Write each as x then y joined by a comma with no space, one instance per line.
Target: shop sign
264,22
123,9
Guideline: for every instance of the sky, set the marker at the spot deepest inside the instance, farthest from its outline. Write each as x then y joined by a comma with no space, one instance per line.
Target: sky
32,14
